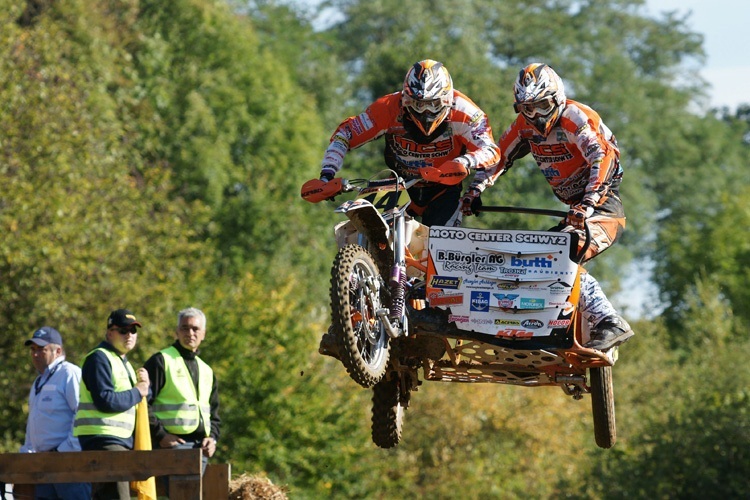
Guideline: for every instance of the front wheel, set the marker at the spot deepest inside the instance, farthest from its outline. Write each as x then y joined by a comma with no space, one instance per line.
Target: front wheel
357,292
603,406
389,401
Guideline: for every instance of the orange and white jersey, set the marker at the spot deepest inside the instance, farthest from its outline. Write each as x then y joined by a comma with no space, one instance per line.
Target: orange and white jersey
465,133
579,158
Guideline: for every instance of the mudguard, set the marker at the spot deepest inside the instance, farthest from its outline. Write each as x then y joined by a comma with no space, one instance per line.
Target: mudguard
366,219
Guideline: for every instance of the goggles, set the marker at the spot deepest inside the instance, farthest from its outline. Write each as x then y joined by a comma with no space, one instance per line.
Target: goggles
431,105
541,107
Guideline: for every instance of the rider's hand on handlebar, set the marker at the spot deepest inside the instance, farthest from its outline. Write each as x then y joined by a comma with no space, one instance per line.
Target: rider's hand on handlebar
578,214
471,201
327,173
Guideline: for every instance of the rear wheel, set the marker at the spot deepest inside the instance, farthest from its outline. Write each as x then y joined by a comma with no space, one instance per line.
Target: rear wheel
603,406
389,402
357,292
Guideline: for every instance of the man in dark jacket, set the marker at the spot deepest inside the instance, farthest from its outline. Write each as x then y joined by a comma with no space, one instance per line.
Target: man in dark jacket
184,410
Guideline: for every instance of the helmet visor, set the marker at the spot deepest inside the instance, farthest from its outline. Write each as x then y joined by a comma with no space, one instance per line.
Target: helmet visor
542,107
420,106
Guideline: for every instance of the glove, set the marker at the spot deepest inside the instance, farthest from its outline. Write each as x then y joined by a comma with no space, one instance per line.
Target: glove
578,214
327,173
471,202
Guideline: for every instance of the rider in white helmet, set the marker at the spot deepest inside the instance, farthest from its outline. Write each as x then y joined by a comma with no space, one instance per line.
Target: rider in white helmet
425,124
578,155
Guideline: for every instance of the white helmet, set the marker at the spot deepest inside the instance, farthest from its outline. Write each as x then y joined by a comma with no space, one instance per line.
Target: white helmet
427,95
539,96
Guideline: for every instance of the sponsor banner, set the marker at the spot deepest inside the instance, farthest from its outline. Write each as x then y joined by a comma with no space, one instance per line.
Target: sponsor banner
511,284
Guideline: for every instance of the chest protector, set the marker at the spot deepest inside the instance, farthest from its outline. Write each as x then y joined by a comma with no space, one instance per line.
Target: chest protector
178,406
90,421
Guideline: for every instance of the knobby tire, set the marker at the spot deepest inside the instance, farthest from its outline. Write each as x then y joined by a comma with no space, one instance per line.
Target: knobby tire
388,406
364,342
603,406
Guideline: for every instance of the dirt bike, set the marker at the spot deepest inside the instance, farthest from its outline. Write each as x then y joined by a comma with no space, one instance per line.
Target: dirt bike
457,304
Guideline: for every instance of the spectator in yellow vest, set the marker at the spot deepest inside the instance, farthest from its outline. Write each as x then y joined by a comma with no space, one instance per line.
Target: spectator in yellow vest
110,391
184,409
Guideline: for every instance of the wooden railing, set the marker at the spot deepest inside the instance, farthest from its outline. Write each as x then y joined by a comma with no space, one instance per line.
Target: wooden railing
182,466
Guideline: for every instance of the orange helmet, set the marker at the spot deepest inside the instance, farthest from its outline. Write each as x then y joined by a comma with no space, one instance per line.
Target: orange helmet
427,95
539,96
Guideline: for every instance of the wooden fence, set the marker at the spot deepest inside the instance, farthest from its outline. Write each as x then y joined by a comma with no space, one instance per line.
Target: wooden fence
182,466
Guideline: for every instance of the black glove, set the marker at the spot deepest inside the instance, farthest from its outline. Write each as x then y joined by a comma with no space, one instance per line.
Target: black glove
327,173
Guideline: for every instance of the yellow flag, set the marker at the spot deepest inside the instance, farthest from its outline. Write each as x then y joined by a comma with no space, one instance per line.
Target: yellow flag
146,489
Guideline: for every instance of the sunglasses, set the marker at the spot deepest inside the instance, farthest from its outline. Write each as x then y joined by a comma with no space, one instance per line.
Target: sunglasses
125,331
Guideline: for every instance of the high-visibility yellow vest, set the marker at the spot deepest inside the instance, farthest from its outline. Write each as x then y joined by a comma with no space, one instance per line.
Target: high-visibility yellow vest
177,406
92,422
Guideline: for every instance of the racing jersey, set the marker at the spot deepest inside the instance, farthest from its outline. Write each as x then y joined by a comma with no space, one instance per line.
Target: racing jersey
465,135
579,158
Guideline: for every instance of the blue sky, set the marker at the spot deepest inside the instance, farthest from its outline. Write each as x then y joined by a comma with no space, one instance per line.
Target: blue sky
725,25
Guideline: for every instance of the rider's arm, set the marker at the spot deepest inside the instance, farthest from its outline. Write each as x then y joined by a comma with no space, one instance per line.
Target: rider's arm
511,147
358,130
597,145
472,126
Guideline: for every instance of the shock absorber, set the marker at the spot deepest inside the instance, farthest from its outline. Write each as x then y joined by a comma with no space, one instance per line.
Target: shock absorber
398,288
398,272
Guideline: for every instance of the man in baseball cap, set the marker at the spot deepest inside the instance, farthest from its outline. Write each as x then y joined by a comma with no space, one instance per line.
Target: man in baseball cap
53,402
110,390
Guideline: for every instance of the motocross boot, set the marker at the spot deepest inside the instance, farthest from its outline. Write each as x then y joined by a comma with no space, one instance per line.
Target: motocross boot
609,332
329,345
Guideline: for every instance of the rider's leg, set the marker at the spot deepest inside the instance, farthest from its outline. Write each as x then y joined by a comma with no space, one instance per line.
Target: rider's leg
610,329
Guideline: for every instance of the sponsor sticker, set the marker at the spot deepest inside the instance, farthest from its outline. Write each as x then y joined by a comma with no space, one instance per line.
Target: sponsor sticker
532,324
516,333
559,323
457,318
508,322
445,282
480,302
447,300
530,303
505,300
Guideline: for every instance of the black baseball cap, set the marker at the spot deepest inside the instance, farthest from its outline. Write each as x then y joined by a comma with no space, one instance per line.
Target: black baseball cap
122,318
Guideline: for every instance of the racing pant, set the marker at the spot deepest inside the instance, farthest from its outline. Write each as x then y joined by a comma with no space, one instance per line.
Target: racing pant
434,204
606,224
